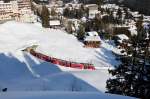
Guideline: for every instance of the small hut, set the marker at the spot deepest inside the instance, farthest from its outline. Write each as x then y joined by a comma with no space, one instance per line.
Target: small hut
92,39
55,24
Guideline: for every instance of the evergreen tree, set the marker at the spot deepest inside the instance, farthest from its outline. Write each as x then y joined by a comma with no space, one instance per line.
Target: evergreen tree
70,27
45,16
99,3
139,23
119,15
81,32
53,12
87,12
97,23
132,76
127,16
66,12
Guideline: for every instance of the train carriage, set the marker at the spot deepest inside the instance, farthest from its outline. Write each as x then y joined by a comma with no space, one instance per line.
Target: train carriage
62,62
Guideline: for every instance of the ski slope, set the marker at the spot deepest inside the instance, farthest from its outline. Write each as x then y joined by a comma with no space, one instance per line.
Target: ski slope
27,77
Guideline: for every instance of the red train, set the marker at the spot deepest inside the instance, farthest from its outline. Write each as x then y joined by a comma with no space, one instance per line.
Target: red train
62,62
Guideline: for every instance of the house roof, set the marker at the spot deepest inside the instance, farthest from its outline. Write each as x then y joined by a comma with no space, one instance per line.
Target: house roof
92,5
92,36
122,37
92,33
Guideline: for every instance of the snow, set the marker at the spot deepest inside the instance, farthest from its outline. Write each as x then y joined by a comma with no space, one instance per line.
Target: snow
93,33
56,43
92,38
133,30
123,36
52,81
27,77
59,95
113,6
146,19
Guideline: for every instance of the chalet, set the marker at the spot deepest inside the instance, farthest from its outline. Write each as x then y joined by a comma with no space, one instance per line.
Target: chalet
92,7
92,39
93,10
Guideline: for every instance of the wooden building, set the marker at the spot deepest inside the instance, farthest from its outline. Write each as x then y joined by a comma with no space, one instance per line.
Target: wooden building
92,39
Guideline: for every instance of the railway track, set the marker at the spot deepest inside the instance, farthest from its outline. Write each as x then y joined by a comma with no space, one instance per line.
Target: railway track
53,60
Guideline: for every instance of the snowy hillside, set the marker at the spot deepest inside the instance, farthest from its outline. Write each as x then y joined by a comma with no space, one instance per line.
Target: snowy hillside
59,95
56,43
26,77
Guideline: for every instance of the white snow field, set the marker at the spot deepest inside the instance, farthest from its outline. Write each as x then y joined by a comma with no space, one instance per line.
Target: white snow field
59,95
56,43
27,77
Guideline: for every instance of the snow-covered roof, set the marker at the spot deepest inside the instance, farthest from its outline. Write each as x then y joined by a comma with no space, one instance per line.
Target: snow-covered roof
74,5
123,36
114,6
91,5
92,33
54,22
92,36
94,12
146,19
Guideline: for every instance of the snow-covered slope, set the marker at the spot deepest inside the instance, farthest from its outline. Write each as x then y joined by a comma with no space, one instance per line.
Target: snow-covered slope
56,43
37,75
29,77
59,95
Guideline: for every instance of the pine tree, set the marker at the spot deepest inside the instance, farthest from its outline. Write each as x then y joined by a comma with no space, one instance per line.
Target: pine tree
132,76
66,12
139,23
97,23
81,32
99,2
119,15
53,12
45,16
70,27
